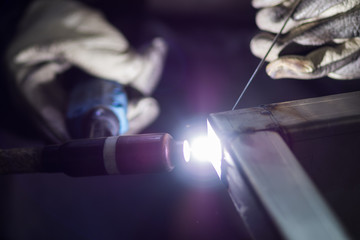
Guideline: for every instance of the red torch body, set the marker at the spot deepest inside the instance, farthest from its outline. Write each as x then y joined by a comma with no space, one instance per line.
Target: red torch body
131,154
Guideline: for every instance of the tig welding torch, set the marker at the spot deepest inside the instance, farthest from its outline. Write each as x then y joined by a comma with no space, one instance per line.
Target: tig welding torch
143,153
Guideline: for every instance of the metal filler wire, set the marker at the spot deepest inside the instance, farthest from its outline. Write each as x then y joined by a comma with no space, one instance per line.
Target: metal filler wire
267,53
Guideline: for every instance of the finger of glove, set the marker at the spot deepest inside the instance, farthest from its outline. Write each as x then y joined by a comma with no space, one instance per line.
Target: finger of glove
342,26
349,71
140,71
265,3
44,101
73,23
141,113
318,9
319,63
261,43
104,63
153,63
272,19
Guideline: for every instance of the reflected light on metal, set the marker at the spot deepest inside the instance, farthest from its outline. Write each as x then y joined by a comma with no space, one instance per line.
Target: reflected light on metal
217,157
207,148
186,151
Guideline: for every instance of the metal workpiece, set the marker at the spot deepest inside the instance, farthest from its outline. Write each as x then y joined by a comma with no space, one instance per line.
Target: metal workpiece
296,120
291,201
292,168
132,154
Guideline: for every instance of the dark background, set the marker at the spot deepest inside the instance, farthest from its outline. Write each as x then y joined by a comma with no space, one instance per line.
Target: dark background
208,64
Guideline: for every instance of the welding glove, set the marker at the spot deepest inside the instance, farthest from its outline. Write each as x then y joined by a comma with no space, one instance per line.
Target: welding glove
322,38
57,34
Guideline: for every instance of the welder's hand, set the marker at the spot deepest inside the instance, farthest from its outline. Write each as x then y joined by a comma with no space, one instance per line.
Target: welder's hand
57,34
321,38
68,32
141,113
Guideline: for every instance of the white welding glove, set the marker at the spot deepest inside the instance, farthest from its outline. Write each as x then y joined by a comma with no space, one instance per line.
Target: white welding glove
321,39
57,34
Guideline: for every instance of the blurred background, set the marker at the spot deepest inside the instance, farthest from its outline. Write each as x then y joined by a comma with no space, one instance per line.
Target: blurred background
208,65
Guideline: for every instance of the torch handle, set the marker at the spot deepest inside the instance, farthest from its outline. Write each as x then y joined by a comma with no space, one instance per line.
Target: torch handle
144,153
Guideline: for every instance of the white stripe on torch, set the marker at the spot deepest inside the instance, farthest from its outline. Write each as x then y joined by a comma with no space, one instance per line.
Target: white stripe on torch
109,155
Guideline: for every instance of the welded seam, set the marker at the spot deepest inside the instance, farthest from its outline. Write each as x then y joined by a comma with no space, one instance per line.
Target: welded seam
276,126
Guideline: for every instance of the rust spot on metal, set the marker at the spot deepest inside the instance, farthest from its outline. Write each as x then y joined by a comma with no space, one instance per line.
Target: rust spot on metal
269,107
284,109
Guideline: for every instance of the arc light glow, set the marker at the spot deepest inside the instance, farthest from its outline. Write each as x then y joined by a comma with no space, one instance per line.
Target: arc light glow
207,148
186,151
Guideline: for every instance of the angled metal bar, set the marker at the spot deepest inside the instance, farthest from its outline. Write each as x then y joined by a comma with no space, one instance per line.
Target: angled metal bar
270,188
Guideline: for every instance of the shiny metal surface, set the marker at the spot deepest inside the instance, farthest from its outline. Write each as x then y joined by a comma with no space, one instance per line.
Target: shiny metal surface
286,166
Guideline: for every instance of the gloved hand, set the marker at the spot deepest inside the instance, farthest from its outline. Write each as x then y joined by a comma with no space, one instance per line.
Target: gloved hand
321,38
57,34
